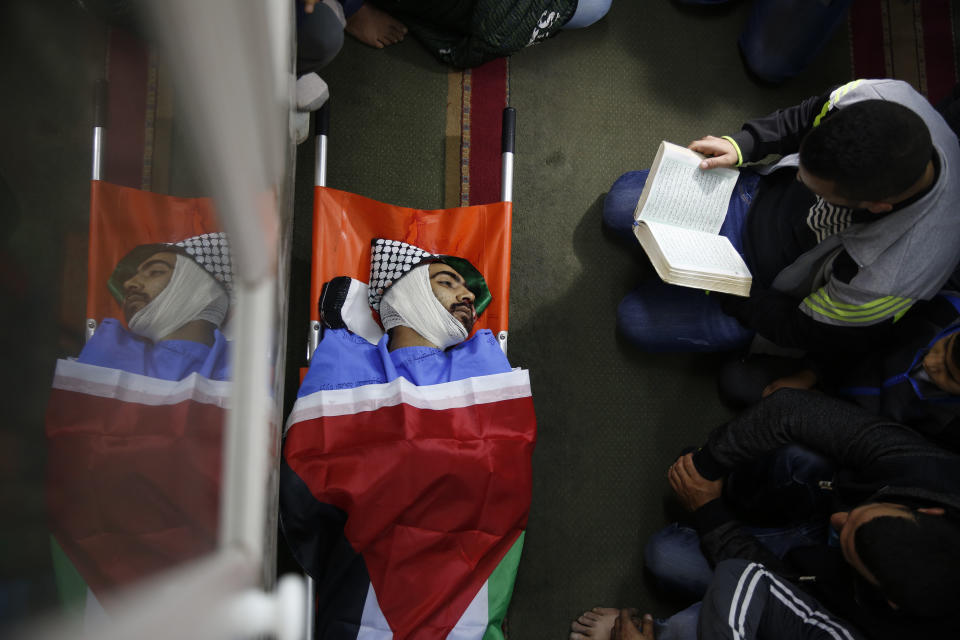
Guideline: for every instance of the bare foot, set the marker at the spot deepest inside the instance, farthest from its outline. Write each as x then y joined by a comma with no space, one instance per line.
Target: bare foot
374,27
595,624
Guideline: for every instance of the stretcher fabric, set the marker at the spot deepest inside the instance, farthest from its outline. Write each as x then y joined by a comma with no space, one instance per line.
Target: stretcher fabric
122,218
345,223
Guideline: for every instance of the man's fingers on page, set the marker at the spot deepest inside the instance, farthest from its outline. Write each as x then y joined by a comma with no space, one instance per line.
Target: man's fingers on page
719,151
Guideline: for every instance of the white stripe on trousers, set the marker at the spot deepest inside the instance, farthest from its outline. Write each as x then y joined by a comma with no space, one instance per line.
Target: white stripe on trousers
742,599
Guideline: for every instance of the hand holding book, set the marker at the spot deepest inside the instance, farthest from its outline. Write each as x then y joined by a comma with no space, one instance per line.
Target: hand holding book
720,152
678,220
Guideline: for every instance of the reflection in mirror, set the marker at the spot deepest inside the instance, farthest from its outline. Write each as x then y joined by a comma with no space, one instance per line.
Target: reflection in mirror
120,294
134,424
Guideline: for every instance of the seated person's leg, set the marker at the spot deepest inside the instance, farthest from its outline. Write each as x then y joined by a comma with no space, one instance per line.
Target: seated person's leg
740,201
782,37
588,12
658,317
619,205
598,623
375,27
676,563
621,202
782,488
680,626
743,380
771,608
319,37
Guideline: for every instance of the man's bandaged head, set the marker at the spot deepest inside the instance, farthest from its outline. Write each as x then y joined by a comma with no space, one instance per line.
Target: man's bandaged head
191,294
417,304
410,302
199,290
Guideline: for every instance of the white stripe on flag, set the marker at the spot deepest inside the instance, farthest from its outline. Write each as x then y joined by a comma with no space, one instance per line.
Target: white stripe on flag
448,395
473,623
105,382
373,624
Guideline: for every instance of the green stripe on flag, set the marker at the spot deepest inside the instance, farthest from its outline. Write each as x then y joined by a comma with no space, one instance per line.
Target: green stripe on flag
500,589
70,585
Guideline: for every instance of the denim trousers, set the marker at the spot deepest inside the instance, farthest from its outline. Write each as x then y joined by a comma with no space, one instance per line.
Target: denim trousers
587,12
782,37
791,475
658,317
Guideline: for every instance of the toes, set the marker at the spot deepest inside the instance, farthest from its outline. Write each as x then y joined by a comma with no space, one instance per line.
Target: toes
588,618
578,636
606,611
577,626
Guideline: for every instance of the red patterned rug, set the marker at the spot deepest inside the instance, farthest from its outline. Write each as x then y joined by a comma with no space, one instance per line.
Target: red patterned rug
910,40
475,102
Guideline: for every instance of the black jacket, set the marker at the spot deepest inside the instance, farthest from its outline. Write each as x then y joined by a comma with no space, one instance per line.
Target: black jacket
879,461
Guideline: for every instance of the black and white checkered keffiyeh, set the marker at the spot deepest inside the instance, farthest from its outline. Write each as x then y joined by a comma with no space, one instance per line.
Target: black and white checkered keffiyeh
212,252
389,261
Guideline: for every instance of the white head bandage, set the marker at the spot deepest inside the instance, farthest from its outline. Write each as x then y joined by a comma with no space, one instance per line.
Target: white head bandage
410,302
191,294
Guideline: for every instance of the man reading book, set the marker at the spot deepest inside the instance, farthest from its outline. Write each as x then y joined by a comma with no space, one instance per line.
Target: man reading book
854,223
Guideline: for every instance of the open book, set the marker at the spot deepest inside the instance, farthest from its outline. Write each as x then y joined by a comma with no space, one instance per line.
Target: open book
678,218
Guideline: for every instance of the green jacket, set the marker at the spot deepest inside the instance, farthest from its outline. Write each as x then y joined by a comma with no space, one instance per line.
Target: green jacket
467,33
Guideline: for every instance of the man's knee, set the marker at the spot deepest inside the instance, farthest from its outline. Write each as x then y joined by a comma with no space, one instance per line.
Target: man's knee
621,201
674,560
319,39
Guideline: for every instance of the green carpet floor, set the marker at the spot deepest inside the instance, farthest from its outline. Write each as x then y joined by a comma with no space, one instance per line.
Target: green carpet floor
591,105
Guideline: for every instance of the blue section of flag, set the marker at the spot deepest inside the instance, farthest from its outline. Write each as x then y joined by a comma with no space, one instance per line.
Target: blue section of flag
344,360
116,347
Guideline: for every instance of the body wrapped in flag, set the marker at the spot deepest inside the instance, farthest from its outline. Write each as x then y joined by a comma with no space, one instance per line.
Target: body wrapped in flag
134,424
405,483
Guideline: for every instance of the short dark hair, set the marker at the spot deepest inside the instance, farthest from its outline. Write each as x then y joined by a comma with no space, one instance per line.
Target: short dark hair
916,561
871,150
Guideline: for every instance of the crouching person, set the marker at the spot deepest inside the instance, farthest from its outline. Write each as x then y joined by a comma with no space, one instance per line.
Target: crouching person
887,566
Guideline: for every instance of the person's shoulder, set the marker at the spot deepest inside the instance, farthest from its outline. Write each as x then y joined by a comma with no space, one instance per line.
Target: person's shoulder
113,330
346,338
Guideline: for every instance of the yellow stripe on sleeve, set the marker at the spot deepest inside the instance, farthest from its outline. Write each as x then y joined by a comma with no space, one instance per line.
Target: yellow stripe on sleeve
878,309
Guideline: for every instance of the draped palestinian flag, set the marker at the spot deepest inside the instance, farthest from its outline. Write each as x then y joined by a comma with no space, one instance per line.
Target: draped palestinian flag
408,504
133,470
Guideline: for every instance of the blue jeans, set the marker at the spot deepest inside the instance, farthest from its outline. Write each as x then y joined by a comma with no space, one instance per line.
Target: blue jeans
587,12
678,566
789,475
782,37
680,626
659,317
781,488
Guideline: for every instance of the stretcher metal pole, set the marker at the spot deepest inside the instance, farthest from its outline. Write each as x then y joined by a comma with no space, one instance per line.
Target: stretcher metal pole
99,129
507,141
321,129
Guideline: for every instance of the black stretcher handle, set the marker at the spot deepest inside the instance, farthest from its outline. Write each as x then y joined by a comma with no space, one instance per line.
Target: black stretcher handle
509,130
100,103
322,124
